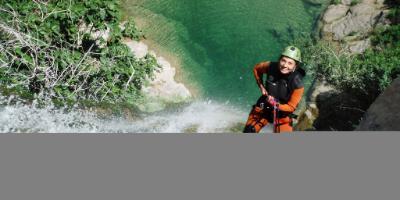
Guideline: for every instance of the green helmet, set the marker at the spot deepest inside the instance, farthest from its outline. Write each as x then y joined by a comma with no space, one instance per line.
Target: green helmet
292,52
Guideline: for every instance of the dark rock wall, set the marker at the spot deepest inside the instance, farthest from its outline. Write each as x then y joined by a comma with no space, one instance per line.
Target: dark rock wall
384,113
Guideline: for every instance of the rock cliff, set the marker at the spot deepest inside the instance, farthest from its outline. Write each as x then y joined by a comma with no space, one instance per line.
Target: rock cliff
384,113
348,24
352,23
163,89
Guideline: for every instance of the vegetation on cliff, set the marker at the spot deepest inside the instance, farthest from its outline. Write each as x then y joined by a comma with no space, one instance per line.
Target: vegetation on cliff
70,50
368,73
347,82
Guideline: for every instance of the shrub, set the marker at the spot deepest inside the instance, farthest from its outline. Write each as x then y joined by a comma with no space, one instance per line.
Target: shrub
368,73
354,2
394,14
336,2
54,49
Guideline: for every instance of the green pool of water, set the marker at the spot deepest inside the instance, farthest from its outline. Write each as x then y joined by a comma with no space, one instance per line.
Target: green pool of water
218,41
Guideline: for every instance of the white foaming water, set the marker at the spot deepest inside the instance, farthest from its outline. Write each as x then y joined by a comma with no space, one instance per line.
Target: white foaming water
199,117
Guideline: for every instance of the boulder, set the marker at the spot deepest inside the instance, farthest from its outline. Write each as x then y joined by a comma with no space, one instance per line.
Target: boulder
359,46
362,9
384,113
357,22
335,12
352,25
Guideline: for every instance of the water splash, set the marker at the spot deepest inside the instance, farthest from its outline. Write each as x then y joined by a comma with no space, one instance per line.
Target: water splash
197,117
203,117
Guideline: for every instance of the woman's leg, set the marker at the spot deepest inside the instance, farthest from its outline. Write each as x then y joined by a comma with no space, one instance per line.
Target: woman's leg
285,125
256,121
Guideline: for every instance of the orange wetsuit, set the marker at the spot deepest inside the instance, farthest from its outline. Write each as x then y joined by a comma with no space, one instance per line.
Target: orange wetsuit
259,117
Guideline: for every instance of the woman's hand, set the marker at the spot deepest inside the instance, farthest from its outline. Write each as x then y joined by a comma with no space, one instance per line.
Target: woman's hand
263,91
271,98
272,101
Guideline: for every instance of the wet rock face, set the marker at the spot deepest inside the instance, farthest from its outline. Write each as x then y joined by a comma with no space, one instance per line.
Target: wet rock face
163,89
338,111
384,113
332,110
321,92
352,24
329,109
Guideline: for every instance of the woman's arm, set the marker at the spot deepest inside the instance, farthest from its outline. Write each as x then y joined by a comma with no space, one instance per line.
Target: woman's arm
293,101
258,70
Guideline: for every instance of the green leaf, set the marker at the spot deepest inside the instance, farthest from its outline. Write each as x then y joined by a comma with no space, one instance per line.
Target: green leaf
102,14
18,51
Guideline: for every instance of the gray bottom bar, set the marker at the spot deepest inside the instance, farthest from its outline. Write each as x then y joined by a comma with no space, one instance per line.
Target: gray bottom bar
320,166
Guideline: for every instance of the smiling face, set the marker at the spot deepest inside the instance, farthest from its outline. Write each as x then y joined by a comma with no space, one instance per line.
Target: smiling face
287,65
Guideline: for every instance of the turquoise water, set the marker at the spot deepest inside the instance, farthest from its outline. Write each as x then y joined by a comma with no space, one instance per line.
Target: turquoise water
217,42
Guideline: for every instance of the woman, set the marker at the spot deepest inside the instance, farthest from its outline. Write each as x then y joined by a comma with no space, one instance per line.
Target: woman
283,90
